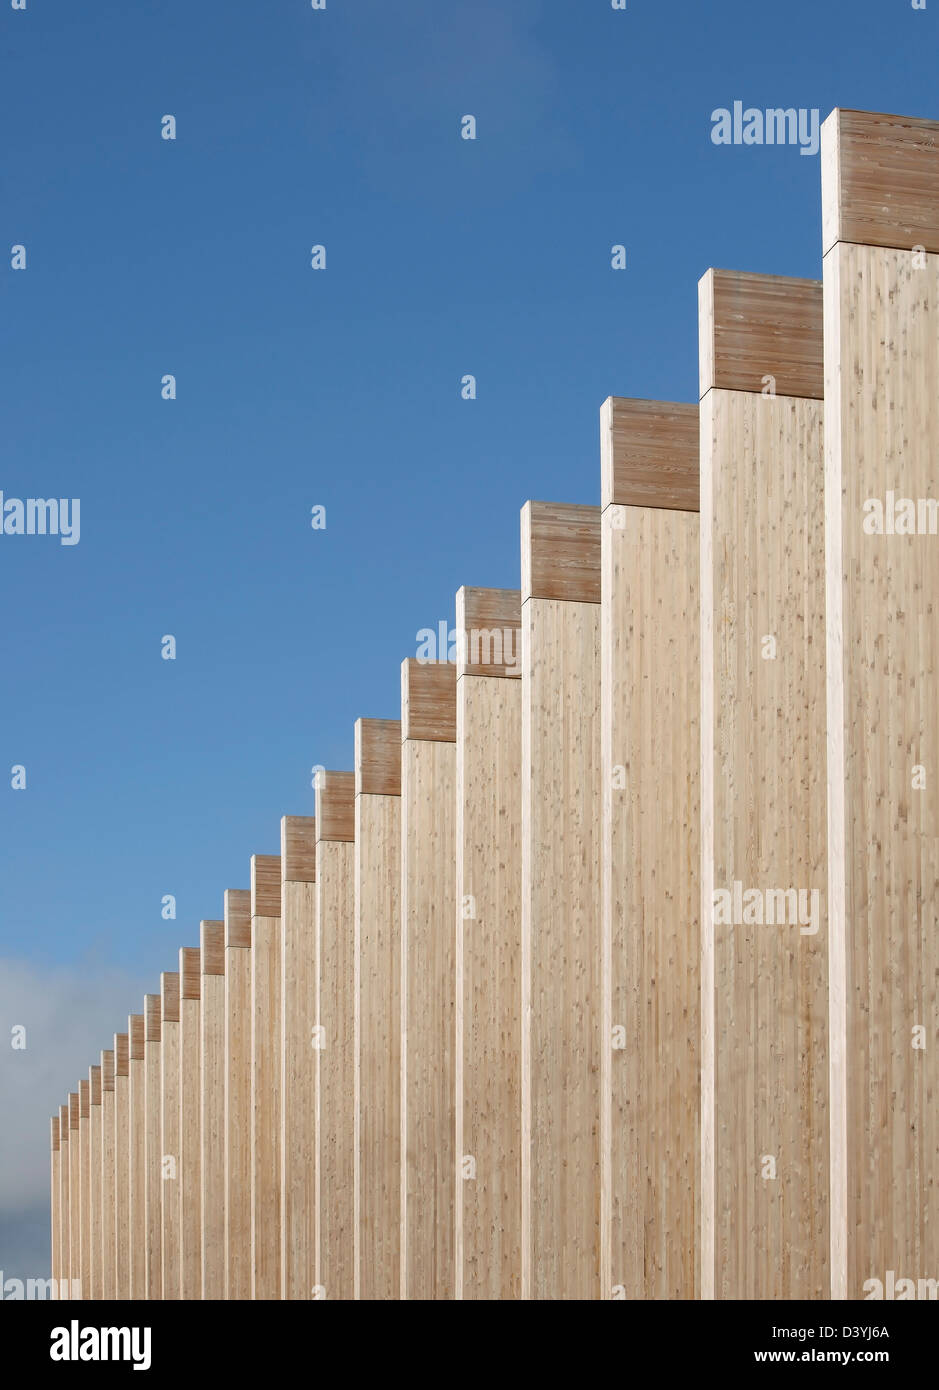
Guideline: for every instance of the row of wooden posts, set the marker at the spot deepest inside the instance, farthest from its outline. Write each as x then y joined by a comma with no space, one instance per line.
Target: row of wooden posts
513,1014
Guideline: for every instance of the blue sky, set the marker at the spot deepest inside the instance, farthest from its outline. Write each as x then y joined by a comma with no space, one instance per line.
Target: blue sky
340,387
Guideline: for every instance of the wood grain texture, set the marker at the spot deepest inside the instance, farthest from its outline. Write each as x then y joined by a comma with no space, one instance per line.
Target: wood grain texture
881,180
55,1236
64,1273
763,758
212,1092
85,1188
153,1150
560,552
239,1172
137,1158
266,1096
335,806
651,986
121,1232
649,454
428,1116
298,987
755,326
108,1176
170,1157
488,625
377,1048
94,1181
190,1123
561,1000
488,894
882,434
378,757
335,1056
428,700
74,1213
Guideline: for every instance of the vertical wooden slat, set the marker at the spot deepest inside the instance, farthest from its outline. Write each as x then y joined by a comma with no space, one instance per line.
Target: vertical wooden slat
763,757
212,1091
74,1205
488,895
298,1087
55,1230
561,798
107,1188
169,1130
238,1119
94,1180
880,198
64,1276
428,979
137,1260
377,946
85,1188
266,1041
335,971
190,1123
121,1233
153,1151
650,699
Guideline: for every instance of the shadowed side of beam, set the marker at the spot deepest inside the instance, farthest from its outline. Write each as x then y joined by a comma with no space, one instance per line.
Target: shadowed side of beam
335,1055
560,552
376,989
649,454
298,1058
880,175
428,701
212,1093
756,327
488,624
239,1201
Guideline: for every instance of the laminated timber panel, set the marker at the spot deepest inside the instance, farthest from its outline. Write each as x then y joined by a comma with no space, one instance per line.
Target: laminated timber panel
121,1231
212,1096
171,1161
266,1041
298,990
85,1186
880,198
651,758
153,1152
74,1200
488,896
764,1059
335,1018
94,1181
238,1118
55,1236
137,1157
65,1287
377,864
190,1123
108,1176
428,974
561,929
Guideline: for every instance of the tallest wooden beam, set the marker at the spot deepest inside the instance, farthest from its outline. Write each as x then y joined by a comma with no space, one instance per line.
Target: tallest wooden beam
880,197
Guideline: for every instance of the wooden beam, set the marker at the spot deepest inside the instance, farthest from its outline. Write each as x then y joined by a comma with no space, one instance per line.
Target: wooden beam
94,1180
55,1232
239,1172
64,1275
190,1123
335,1013
108,1172
74,1206
650,1118
377,1050
153,1149
428,979
266,1042
85,1188
560,953
121,1231
137,1157
298,1087
764,1056
488,892
880,199
212,1092
169,1131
